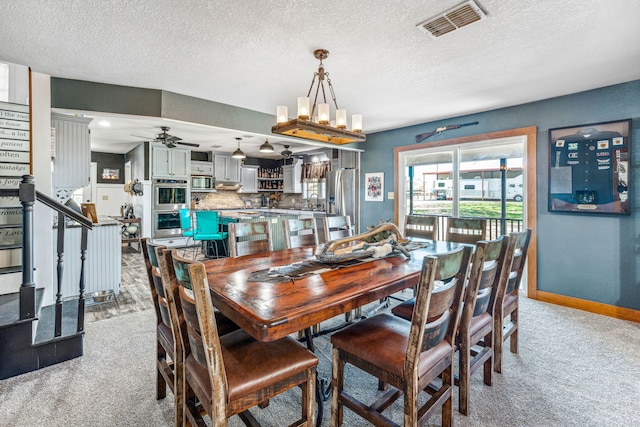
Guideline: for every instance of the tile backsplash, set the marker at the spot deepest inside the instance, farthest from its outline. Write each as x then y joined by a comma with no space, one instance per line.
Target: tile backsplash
234,200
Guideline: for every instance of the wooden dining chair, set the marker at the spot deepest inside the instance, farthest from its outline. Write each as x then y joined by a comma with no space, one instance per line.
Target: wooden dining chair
227,374
171,373
474,340
247,238
407,355
506,301
164,335
300,232
420,226
336,227
466,230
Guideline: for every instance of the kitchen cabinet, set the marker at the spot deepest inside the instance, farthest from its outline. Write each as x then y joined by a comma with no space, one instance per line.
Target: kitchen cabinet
291,177
227,169
201,168
72,162
249,179
170,162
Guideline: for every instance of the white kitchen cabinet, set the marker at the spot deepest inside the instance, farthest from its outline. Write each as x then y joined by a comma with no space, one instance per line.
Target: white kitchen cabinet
170,162
201,168
291,176
227,169
249,179
72,162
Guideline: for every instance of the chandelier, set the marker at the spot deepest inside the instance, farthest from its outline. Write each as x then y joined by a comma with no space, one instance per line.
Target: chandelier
315,123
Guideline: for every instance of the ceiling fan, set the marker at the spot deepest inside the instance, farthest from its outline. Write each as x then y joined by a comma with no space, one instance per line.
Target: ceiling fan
170,140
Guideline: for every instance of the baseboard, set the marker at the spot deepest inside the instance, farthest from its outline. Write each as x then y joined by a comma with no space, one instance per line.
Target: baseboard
590,306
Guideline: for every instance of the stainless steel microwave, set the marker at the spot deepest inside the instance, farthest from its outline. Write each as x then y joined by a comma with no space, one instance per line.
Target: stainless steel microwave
202,183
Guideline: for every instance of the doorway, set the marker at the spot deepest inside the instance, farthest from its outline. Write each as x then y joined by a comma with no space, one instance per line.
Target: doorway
459,177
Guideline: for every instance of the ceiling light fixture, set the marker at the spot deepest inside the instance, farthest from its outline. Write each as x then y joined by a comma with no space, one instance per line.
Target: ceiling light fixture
315,123
266,147
238,154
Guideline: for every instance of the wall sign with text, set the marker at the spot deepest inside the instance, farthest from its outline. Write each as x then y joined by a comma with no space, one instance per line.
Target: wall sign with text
15,154
589,168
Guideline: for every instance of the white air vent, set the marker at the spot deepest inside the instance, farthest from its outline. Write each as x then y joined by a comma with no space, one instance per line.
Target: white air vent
453,19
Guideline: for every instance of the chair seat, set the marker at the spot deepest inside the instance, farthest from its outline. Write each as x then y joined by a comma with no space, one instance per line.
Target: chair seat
382,340
188,233
251,365
211,236
405,309
510,300
479,323
165,336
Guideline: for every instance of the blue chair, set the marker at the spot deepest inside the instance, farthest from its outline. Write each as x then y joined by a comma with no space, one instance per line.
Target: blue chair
186,226
208,229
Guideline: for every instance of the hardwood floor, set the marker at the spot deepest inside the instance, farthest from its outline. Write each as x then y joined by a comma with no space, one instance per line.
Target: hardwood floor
134,290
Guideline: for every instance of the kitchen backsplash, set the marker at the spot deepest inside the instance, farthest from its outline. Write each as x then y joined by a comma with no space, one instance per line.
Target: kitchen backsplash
233,200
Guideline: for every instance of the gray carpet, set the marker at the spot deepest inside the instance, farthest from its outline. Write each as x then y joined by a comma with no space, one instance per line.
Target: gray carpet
574,369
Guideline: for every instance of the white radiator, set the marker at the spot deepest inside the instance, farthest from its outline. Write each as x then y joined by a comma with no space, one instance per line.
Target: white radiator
103,264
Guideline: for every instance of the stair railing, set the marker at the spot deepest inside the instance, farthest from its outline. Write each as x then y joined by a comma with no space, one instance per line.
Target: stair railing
28,195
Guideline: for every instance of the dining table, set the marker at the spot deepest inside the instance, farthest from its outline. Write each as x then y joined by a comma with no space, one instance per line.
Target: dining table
275,294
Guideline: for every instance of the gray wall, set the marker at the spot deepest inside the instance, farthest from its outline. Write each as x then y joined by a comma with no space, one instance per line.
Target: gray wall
592,257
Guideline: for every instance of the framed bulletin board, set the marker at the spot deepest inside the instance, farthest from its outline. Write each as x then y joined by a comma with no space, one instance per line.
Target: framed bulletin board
589,168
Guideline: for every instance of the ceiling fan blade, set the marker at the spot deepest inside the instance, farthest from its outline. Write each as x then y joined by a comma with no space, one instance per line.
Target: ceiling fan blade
144,137
190,144
174,139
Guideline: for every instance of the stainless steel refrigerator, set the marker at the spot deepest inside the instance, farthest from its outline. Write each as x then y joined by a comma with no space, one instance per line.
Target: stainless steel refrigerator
342,195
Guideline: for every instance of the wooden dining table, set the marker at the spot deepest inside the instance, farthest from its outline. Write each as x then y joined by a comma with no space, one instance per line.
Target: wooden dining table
270,308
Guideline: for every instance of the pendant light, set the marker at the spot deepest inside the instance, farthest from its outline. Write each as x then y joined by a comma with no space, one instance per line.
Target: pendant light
266,147
238,154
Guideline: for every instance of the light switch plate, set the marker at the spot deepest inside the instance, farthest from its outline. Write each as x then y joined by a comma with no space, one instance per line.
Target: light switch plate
390,195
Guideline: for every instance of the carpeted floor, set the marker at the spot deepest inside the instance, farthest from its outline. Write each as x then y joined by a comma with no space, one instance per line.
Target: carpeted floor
574,369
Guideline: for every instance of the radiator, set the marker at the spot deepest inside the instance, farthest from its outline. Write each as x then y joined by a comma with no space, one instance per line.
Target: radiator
103,264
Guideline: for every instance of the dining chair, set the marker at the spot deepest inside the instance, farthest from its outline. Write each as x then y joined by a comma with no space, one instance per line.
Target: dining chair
186,226
466,230
425,227
164,336
407,355
336,227
208,229
223,324
227,374
300,232
247,238
506,301
474,340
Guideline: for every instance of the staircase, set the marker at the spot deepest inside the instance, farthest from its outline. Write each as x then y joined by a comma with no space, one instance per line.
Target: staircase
33,336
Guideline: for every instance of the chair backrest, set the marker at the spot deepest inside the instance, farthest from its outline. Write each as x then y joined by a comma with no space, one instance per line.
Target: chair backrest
200,324
185,220
207,222
519,260
337,227
247,238
150,252
425,227
485,273
300,232
466,230
436,312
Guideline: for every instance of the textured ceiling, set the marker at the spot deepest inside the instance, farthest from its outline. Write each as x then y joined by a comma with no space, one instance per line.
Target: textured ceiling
258,54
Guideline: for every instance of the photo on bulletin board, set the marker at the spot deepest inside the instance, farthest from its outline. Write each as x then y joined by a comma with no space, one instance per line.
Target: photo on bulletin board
374,187
589,168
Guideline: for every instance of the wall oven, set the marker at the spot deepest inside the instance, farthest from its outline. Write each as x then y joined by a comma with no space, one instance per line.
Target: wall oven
166,224
170,194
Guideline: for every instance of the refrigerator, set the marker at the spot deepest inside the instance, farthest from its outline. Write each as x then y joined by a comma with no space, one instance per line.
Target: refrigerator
342,195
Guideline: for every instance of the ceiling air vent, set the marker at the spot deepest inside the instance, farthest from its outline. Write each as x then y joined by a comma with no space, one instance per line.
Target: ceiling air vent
453,19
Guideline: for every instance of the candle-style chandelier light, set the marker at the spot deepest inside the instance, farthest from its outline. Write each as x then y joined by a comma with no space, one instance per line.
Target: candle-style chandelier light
315,123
